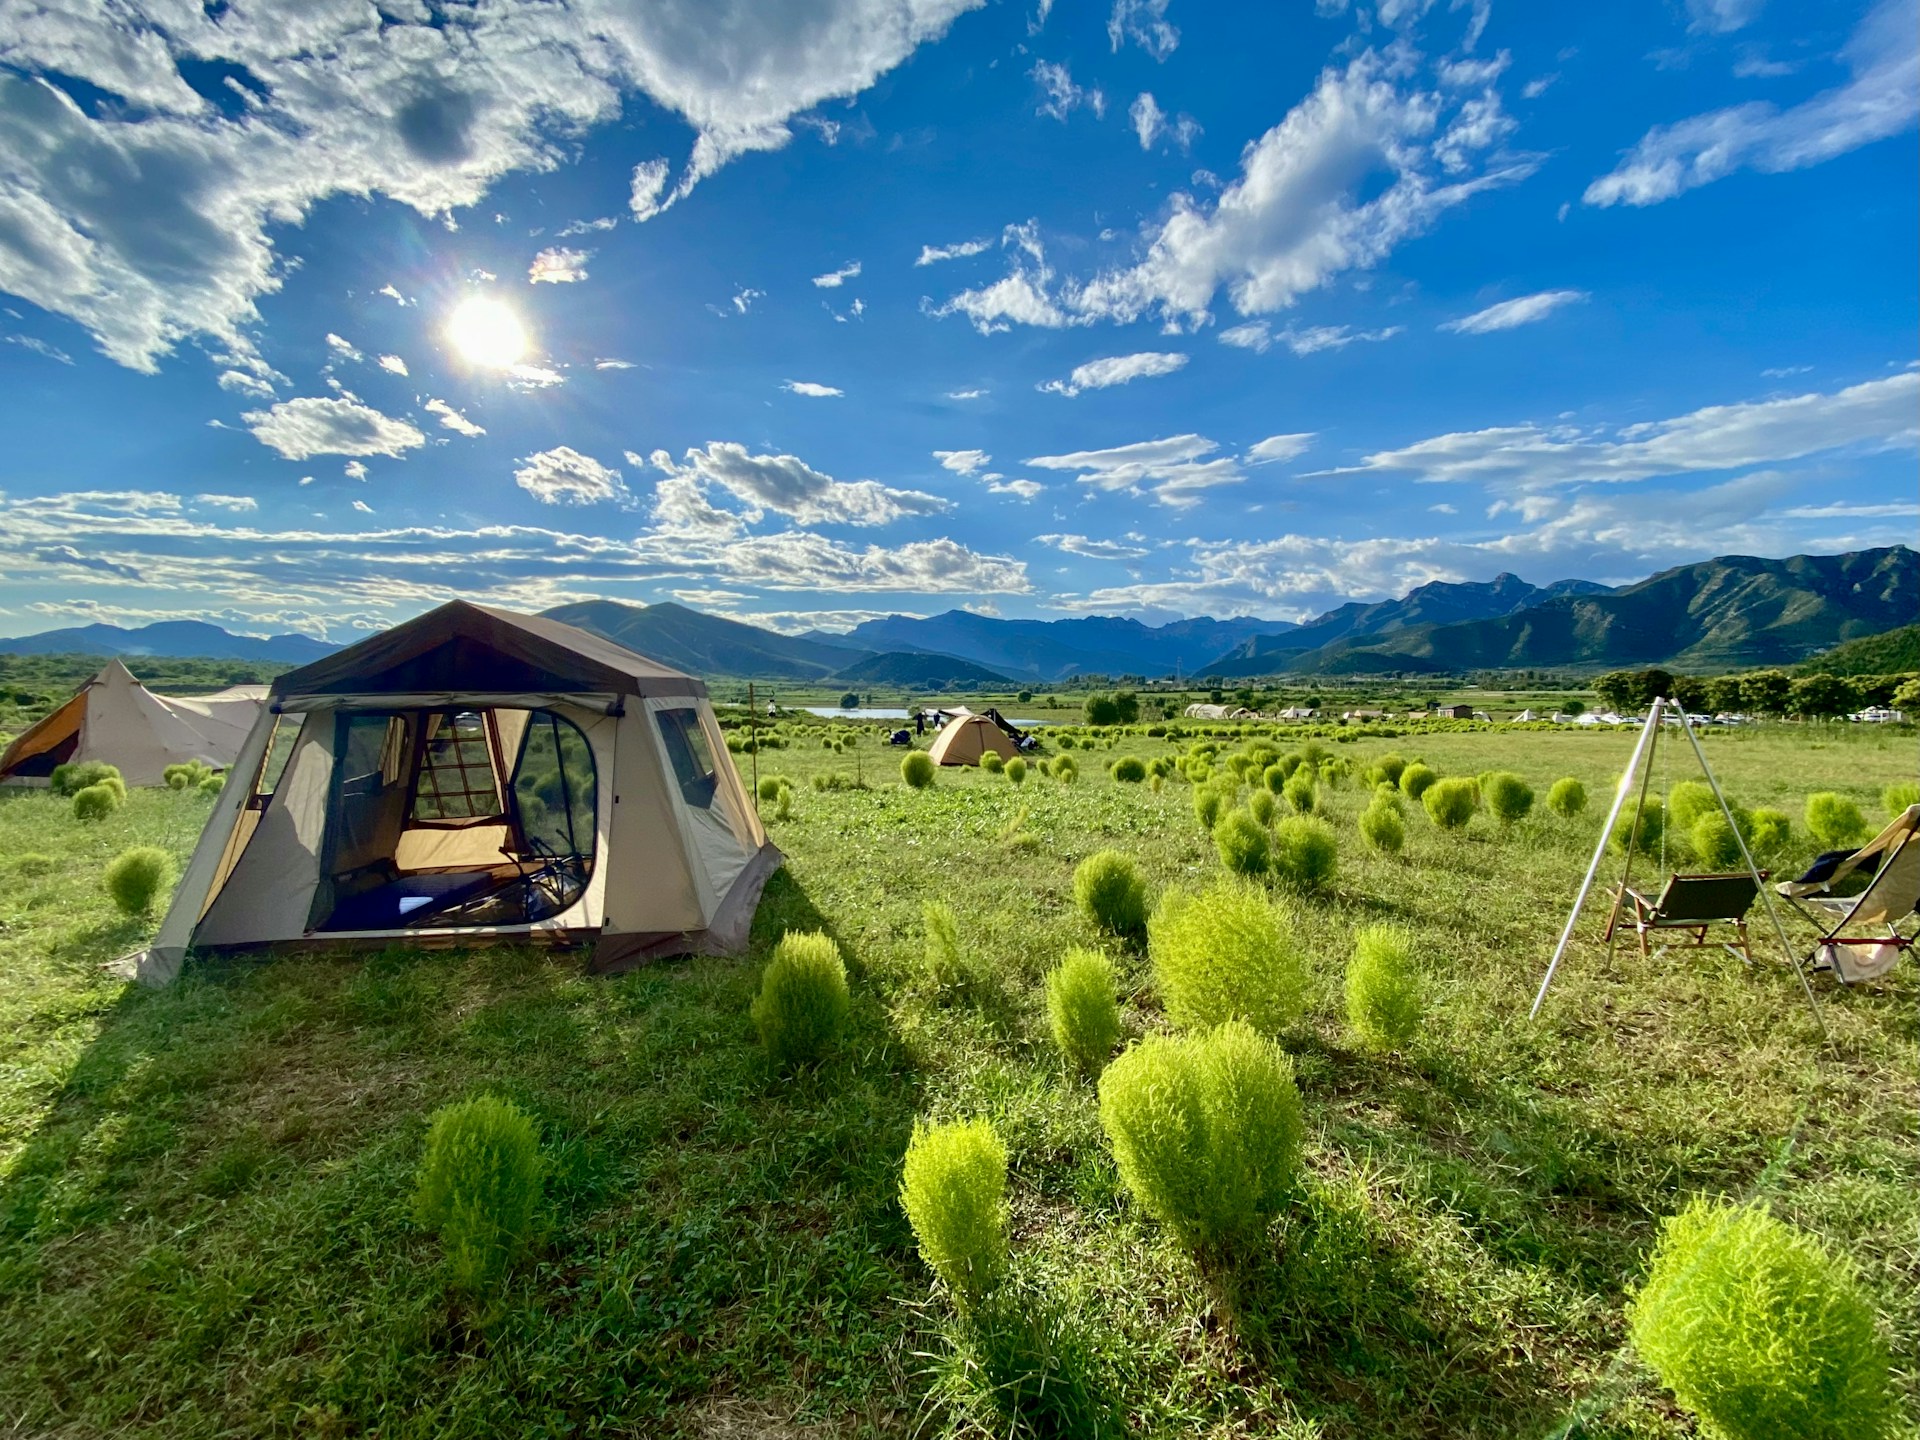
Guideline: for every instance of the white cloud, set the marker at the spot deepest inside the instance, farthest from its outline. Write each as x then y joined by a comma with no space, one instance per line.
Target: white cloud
323,426
343,348
151,221
558,265
933,254
965,394
228,502
1879,414
834,279
1843,510
1881,99
242,383
1444,509
452,419
588,227
963,462
1721,17
393,295
1021,298
1151,124
563,476
1115,370
1060,97
1362,164
1508,314
1092,549
1535,88
363,507
808,387
1174,469
393,365
788,486
614,365
1144,22
1315,338
649,184
1782,372
744,297
1021,489
1254,335
353,470
1279,447
534,377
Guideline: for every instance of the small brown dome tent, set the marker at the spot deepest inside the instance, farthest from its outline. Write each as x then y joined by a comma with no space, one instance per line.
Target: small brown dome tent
965,738
475,775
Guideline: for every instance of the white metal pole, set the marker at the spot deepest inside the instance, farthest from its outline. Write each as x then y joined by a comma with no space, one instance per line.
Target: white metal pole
1599,853
1766,895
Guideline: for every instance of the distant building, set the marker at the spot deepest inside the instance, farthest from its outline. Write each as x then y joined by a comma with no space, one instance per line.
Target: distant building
1454,712
1296,712
1362,716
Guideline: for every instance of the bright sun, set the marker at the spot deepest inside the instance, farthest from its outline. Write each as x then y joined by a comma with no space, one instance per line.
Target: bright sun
487,332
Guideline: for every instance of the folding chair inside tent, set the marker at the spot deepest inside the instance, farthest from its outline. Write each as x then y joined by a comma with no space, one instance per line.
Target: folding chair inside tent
1864,940
1690,904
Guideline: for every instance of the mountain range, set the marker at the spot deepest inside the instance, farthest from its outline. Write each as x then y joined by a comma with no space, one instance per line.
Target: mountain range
1732,612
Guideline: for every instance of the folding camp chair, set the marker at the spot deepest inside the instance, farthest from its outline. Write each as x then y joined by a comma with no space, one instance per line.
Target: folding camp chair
1832,869
1862,938
1689,905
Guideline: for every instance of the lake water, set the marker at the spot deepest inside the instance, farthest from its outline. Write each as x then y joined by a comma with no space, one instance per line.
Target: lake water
834,712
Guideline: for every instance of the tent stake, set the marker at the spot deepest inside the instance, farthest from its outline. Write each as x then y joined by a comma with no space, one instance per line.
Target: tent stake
1600,852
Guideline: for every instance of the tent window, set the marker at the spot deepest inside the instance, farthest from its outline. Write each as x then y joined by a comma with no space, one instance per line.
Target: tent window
689,754
456,780
286,729
554,789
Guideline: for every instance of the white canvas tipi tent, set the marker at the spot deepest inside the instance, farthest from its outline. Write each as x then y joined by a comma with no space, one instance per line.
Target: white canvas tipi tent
117,719
470,776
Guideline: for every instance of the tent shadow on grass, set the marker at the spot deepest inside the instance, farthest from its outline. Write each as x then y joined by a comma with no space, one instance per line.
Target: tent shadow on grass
709,1229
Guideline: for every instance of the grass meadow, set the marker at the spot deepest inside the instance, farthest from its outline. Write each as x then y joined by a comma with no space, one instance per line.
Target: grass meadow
204,1192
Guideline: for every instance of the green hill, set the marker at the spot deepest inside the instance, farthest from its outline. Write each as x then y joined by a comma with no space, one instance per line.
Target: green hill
1733,612
917,670
1895,653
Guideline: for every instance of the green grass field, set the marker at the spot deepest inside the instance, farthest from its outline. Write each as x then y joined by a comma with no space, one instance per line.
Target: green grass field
204,1192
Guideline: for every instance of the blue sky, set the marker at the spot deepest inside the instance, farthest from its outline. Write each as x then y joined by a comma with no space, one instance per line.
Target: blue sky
318,315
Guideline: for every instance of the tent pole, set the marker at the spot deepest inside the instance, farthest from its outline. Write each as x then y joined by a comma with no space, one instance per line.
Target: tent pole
1766,895
753,745
1634,831
1599,854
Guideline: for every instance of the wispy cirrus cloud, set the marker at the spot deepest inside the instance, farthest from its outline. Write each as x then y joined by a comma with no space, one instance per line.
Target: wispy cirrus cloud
1114,370
1509,314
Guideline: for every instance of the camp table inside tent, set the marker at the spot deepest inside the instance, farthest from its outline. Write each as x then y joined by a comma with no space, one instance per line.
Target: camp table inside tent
477,775
116,719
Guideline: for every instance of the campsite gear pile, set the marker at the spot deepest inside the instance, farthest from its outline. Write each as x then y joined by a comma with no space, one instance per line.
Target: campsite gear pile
115,719
477,775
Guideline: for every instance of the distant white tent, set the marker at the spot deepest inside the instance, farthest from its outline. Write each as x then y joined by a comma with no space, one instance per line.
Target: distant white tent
115,718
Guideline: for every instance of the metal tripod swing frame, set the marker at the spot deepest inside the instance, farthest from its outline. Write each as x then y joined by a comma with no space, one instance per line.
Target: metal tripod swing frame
1641,766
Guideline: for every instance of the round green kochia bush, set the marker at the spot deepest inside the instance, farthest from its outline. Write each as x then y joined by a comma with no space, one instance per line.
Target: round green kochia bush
1382,829
1299,792
1760,1331
95,802
1016,770
1387,797
769,787
1226,953
1274,778
137,877
917,769
1834,820
1768,833
1209,800
803,1001
1567,798
478,1186
945,961
1507,795
1305,852
1391,766
1897,797
1260,805
1111,893
1688,801
1128,769
71,779
1206,1131
1450,803
993,762
1383,988
1081,1009
1242,842
1065,769
1715,843
186,776
1417,779
953,1187
212,785
1652,824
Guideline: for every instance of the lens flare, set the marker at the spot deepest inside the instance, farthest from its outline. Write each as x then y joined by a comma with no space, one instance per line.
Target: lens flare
486,332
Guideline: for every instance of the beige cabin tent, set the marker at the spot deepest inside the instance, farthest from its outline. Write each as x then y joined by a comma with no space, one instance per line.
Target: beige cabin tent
117,719
476,775
966,738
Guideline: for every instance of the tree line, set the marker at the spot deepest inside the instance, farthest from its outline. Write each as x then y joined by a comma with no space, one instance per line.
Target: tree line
1759,692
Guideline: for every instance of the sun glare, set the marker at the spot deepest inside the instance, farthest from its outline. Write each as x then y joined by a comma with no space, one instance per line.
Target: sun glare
487,332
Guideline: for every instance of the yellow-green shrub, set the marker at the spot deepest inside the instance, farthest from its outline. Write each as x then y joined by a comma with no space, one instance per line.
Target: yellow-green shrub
1417,779
1299,792
1507,795
917,769
953,1186
1209,800
803,1001
137,877
1081,1009
1450,803
1242,842
1687,801
1834,820
95,802
478,1186
1384,1003
1226,953
1128,770
1897,797
1760,1331
1016,770
1260,805
1567,798
1382,829
1305,852
1109,889
1205,1130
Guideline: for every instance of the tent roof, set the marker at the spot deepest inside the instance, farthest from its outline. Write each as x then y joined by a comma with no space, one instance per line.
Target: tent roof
483,650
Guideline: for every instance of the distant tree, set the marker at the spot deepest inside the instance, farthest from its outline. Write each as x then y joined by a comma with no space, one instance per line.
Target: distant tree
1876,689
1101,709
1126,706
1026,697
1651,683
849,701
1692,692
1724,694
1821,697
1216,697
1766,692
1906,696
1617,689
1574,707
